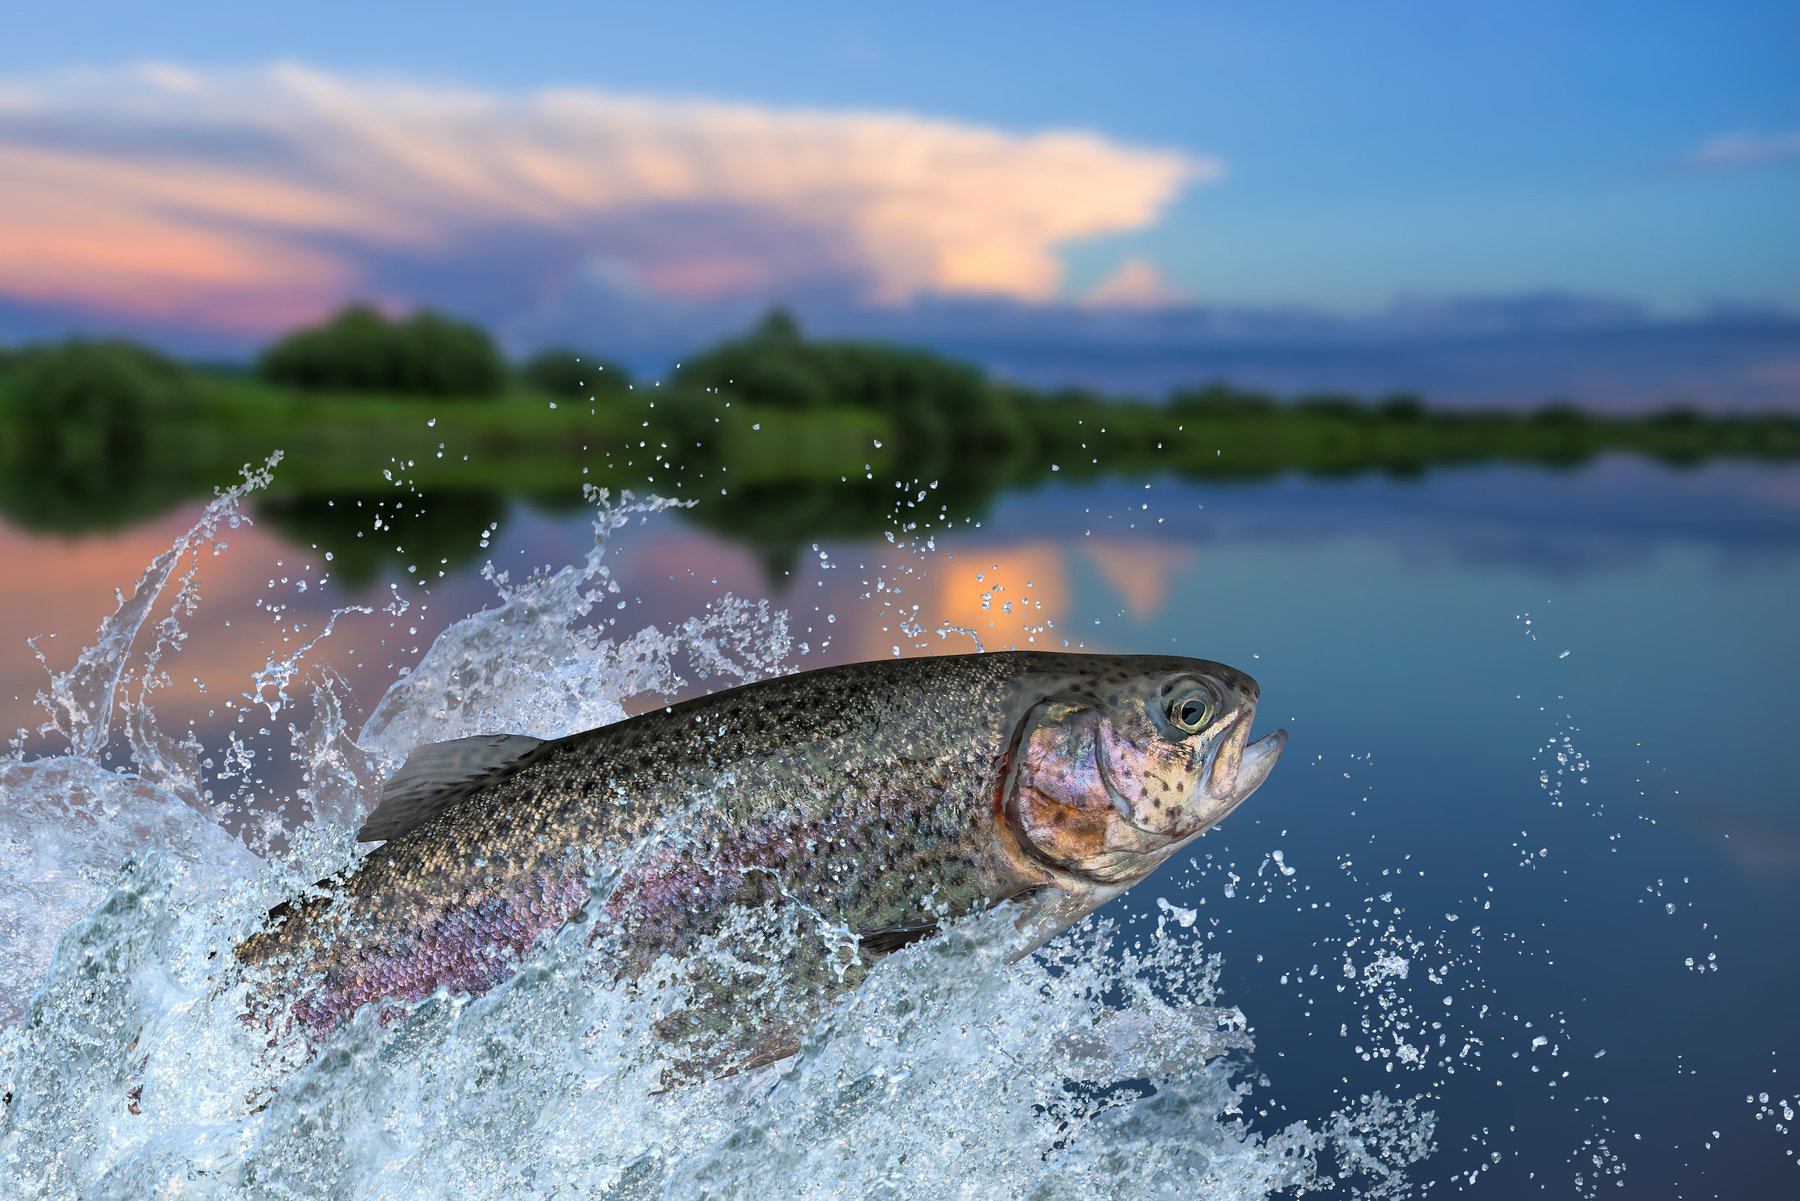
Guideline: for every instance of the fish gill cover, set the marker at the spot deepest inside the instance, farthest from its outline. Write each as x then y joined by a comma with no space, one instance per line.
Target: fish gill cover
1107,1065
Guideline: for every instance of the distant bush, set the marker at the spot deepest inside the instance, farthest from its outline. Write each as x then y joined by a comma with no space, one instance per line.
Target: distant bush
79,417
86,390
1560,414
561,372
701,427
773,365
363,351
1677,417
1218,401
931,400
1076,398
1402,408
1333,407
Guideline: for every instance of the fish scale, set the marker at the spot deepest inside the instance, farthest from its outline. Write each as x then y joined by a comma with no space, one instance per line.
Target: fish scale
883,796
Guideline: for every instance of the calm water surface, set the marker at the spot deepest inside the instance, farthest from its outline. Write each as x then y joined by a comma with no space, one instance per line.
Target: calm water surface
1543,758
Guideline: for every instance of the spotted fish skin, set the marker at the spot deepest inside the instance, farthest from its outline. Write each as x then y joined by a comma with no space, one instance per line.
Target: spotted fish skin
880,795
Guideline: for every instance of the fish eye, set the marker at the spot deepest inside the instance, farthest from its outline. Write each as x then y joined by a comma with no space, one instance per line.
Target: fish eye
1190,712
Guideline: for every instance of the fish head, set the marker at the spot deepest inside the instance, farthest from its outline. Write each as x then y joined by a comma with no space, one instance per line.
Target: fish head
1112,774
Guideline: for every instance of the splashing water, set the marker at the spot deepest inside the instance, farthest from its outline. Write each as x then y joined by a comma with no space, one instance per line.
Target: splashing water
1102,1067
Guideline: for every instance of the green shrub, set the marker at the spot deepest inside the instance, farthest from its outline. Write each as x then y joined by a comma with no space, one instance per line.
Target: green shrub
360,350
1677,417
933,402
1560,414
759,373
565,374
81,416
1402,408
81,390
1218,401
1332,407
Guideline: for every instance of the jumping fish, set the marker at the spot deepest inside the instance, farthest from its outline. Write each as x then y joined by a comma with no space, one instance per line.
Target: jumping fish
885,796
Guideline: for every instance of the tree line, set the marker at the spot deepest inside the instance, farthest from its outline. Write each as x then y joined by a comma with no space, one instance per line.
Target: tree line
102,383
74,415
815,437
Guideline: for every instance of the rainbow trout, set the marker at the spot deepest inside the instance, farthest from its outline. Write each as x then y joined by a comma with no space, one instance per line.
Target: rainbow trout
884,796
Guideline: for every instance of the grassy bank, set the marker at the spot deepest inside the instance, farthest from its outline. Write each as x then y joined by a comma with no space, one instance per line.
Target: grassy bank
804,440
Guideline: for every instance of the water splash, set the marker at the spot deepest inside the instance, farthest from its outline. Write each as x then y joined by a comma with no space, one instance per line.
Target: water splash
79,703
537,661
1099,1068
69,820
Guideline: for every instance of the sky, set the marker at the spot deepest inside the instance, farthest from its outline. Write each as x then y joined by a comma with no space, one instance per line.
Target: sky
210,174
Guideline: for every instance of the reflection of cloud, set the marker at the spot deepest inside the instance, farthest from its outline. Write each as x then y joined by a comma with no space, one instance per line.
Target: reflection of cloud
1747,150
1137,284
1766,845
1140,571
70,589
241,198
1003,595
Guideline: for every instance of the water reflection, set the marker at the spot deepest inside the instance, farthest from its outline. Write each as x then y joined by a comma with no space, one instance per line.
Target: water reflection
373,534
1387,621
1098,564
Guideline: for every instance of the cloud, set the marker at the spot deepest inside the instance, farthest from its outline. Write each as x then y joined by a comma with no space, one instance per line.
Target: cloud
248,199
1137,284
1735,150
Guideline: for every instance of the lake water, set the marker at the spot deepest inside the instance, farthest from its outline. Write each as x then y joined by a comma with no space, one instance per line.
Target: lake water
1530,861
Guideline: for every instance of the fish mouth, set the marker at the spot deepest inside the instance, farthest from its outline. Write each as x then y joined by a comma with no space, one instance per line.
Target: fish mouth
1259,760
1253,762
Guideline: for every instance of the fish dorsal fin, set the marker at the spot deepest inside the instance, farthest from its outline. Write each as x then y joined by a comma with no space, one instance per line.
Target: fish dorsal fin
436,776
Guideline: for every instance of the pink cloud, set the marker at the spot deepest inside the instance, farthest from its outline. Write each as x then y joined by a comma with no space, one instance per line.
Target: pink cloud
1137,284
246,199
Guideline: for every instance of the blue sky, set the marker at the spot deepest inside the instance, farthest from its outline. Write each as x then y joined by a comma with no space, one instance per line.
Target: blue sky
1410,148
1047,160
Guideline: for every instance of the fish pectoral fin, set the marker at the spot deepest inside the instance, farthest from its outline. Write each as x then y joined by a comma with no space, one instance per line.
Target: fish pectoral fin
436,776
890,939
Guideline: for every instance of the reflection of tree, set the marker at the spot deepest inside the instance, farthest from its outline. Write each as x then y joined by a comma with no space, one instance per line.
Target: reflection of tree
437,532
69,489
779,521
